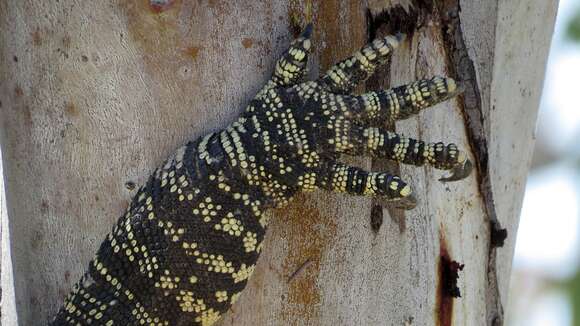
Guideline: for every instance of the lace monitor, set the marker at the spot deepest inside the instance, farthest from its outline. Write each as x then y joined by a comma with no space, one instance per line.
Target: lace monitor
186,246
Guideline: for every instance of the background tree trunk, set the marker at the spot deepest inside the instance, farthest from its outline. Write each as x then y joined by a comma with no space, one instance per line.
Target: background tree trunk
95,94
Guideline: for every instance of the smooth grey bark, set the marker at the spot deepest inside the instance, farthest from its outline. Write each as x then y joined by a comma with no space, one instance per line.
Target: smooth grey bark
95,94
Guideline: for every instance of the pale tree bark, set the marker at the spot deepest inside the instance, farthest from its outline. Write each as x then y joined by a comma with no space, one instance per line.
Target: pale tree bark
95,94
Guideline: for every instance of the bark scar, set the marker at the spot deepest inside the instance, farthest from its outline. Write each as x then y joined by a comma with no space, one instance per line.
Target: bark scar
447,288
299,270
470,102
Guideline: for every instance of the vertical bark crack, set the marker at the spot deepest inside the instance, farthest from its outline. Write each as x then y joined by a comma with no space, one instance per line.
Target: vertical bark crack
464,69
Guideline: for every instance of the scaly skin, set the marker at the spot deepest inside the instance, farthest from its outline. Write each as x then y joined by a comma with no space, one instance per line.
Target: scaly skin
183,251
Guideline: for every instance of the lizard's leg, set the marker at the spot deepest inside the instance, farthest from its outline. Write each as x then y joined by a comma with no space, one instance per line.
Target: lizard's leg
291,67
353,139
345,75
101,299
341,178
387,106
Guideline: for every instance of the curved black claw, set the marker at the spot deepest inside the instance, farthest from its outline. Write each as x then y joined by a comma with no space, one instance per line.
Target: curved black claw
307,32
459,172
401,37
407,203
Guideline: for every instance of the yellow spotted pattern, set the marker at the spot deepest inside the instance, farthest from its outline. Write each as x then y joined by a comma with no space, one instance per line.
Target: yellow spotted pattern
185,248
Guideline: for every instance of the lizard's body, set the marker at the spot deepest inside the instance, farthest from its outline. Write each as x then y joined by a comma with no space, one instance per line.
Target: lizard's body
183,252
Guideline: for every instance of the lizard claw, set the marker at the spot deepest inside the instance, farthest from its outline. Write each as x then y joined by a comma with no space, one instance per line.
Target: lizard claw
407,203
307,32
459,172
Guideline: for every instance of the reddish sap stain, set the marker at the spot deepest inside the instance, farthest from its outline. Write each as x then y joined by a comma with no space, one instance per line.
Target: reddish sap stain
160,5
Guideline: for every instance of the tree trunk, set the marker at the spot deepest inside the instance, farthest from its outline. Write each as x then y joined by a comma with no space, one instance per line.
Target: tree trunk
95,94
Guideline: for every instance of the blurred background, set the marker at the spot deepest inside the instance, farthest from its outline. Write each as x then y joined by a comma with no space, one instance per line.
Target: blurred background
545,283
